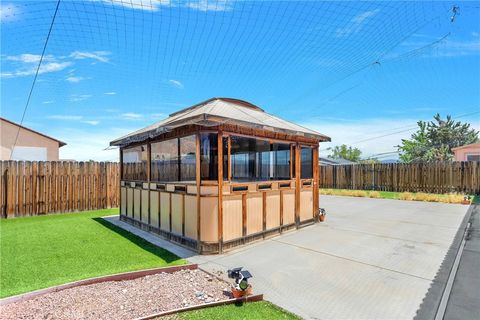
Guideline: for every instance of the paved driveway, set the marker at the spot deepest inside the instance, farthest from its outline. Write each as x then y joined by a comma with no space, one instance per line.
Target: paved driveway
372,258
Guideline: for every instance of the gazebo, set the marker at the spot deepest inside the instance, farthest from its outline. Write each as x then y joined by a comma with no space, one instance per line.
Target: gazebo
219,174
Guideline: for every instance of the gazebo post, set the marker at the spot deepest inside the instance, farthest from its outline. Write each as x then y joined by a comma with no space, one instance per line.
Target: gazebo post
297,184
149,164
120,184
220,189
197,180
316,179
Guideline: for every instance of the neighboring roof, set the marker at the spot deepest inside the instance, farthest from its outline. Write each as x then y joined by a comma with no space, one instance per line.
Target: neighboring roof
471,145
60,143
390,161
217,111
334,162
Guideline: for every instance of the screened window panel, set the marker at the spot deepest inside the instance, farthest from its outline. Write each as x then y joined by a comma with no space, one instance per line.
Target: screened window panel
306,163
187,158
208,156
225,158
134,163
259,160
165,161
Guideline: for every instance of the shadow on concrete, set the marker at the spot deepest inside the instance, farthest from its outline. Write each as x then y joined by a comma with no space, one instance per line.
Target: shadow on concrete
165,255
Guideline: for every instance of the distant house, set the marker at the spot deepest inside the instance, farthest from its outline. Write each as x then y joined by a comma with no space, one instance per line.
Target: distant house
30,144
469,152
333,162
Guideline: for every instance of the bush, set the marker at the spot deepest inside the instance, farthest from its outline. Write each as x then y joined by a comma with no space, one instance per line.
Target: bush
405,196
374,194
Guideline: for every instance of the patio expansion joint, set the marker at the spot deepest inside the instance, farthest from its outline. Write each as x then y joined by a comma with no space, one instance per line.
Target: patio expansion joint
353,260
388,237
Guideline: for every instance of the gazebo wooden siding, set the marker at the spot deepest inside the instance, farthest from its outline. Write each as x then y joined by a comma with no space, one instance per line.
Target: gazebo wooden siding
222,214
219,174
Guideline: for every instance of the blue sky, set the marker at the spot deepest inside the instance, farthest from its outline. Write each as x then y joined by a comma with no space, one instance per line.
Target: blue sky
360,72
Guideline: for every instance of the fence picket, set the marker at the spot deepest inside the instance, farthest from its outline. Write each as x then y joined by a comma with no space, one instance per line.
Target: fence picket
33,188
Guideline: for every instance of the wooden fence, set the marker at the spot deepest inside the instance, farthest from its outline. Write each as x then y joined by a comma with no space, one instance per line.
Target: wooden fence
33,188
441,177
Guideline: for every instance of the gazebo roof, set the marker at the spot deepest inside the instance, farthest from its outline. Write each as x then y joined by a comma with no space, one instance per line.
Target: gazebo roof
217,111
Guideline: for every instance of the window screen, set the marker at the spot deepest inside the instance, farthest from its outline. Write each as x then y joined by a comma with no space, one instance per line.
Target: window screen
134,163
306,163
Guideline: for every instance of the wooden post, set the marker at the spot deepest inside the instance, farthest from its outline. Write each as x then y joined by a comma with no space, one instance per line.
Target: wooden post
120,183
198,181
316,178
229,178
149,176
220,189
297,184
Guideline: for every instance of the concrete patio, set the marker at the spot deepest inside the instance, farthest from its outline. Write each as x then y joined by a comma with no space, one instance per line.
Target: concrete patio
372,258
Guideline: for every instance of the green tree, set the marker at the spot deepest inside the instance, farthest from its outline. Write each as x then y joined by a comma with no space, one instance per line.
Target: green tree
435,139
345,152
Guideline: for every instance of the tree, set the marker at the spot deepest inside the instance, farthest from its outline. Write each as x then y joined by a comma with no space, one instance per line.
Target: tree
345,152
435,139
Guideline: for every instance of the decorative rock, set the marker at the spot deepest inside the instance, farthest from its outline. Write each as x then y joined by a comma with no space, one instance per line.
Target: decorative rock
139,297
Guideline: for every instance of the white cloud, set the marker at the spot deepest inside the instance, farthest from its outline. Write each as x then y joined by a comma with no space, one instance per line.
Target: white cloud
356,23
30,58
158,115
176,84
8,12
69,117
148,5
91,122
155,5
74,79
205,5
131,116
101,56
89,144
353,132
79,97
110,93
432,47
44,68
65,117
48,102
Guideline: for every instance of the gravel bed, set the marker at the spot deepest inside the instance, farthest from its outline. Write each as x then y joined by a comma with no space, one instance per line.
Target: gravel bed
123,299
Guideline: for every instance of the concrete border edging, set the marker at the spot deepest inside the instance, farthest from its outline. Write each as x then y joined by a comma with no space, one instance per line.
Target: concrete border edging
253,298
113,277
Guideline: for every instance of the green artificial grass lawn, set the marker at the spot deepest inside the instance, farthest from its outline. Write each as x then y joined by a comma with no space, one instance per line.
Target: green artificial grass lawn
43,251
252,310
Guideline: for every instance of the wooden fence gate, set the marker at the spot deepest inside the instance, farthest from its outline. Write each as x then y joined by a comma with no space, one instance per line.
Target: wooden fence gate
438,177
30,188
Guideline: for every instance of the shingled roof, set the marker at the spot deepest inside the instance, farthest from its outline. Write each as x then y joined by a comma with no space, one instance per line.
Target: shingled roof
217,111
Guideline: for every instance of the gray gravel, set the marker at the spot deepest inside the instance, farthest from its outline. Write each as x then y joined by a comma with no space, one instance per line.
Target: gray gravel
123,299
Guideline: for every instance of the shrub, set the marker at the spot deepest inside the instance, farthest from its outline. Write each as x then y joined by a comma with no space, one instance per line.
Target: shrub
420,196
405,196
454,198
374,194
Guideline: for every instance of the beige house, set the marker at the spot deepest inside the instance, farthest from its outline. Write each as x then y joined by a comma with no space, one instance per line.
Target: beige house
469,152
30,145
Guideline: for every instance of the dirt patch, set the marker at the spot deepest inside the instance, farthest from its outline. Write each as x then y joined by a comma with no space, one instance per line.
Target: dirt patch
123,299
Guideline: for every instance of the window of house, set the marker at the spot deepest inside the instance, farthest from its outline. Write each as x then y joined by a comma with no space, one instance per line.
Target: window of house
134,163
473,157
306,163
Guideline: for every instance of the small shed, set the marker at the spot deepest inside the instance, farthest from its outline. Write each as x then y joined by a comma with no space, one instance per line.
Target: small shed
219,174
